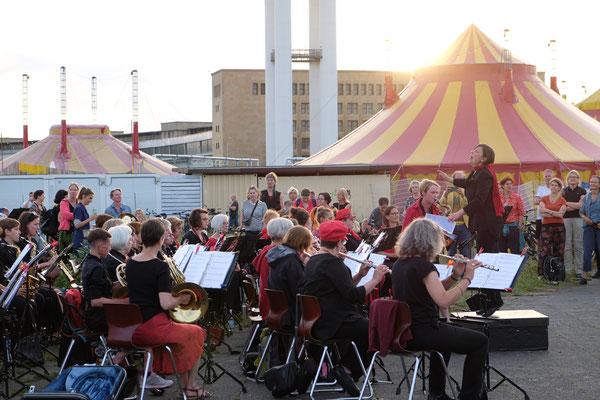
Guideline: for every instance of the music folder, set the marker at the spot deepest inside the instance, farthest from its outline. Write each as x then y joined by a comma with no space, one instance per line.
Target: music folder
509,265
209,269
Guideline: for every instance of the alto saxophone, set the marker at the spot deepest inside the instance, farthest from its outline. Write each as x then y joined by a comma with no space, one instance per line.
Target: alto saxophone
61,265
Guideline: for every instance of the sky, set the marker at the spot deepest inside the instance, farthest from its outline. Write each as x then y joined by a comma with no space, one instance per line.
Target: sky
176,45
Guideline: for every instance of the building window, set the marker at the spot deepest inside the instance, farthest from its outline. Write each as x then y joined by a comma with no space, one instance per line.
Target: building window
348,89
378,89
302,86
340,89
371,89
217,108
294,127
367,108
352,108
308,88
217,90
216,145
304,108
355,89
294,89
379,106
262,88
340,108
305,143
363,89
217,128
294,142
305,125
293,108
340,126
255,88
352,125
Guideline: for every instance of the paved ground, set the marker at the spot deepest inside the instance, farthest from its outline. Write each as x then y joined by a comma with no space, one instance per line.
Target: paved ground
568,370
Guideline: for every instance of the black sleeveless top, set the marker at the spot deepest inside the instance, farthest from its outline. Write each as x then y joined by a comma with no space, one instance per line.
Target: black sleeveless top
273,203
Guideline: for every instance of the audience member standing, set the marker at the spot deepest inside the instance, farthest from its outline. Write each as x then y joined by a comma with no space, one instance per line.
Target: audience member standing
66,228
117,208
270,196
415,194
292,197
233,213
425,205
375,219
590,212
27,203
37,206
305,201
81,217
454,197
343,200
514,211
542,190
573,194
552,235
252,212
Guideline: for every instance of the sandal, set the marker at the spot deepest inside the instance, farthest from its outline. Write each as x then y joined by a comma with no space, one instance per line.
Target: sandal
200,394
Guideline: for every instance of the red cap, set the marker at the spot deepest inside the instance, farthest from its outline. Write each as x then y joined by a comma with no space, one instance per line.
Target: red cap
333,231
343,214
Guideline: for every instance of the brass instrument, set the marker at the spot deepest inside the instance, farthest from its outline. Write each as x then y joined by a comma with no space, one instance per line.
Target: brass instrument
32,284
188,313
61,265
446,208
127,218
198,305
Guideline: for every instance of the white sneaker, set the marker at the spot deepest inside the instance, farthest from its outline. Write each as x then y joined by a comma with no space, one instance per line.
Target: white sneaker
155,381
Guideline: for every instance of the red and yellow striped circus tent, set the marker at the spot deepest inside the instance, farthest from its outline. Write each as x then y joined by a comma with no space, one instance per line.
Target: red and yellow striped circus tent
472,93
591,105
91,149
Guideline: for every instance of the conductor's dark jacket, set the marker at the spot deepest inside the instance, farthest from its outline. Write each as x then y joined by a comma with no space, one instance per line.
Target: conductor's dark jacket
330,281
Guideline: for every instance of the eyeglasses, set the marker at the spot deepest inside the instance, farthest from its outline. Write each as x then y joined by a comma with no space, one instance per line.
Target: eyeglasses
394,213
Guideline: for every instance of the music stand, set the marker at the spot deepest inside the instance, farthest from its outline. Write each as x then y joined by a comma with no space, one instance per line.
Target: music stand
389,240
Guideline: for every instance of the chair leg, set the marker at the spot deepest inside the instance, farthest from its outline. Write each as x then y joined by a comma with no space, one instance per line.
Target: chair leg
369,370
177,376
362,366
145,377
262,357
448,377
414,379
67,356
316,378
291,351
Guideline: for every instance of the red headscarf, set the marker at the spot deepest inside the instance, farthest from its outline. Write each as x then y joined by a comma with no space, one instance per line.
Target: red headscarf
498,207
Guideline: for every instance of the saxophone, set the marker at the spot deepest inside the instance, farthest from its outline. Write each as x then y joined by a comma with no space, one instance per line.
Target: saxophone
32,284
65,270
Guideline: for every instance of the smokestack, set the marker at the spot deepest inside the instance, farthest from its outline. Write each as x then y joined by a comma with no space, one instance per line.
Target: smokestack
63,113
553,66
25,110
135,147
94,99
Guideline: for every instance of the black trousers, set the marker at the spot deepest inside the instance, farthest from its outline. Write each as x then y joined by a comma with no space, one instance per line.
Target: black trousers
448,339
488,240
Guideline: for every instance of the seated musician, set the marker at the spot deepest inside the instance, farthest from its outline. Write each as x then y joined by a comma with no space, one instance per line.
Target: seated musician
426,204
121,243
327,278
10,235
323,214
149,284
268,217
220,225
97,285
166,248
49,307
198,220
352,238
136,245
277,229
176,229
416,282
286,263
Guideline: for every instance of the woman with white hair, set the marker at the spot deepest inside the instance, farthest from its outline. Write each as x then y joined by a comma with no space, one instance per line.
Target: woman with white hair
220,226
276,228
121,243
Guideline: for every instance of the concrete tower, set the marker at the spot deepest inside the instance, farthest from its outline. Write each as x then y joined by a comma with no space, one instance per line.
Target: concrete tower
322,75
278,81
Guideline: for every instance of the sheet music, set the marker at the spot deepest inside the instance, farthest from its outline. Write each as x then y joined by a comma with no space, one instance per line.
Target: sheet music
24,252
182,255
443,222
197,266
220,263
354,266
444,270
508,264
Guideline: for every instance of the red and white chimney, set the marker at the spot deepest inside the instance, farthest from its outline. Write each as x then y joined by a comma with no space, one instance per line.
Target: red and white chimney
63,114
135,142
25,110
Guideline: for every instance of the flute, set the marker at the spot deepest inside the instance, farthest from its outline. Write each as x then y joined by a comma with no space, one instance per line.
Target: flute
486,266
363,262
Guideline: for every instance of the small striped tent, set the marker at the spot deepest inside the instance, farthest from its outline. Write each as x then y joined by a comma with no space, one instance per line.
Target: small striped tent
591,105
92,149
472,93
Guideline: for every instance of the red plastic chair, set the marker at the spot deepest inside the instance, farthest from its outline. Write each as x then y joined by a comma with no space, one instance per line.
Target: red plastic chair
122,320
311,312
403,320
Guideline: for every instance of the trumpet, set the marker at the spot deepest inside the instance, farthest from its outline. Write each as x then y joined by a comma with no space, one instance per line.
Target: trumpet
486,266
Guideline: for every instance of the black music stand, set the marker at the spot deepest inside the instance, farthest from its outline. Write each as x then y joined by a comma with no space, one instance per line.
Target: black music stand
389,240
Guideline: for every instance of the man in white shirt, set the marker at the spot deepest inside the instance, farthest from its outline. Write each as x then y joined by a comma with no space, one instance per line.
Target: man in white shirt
542,190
